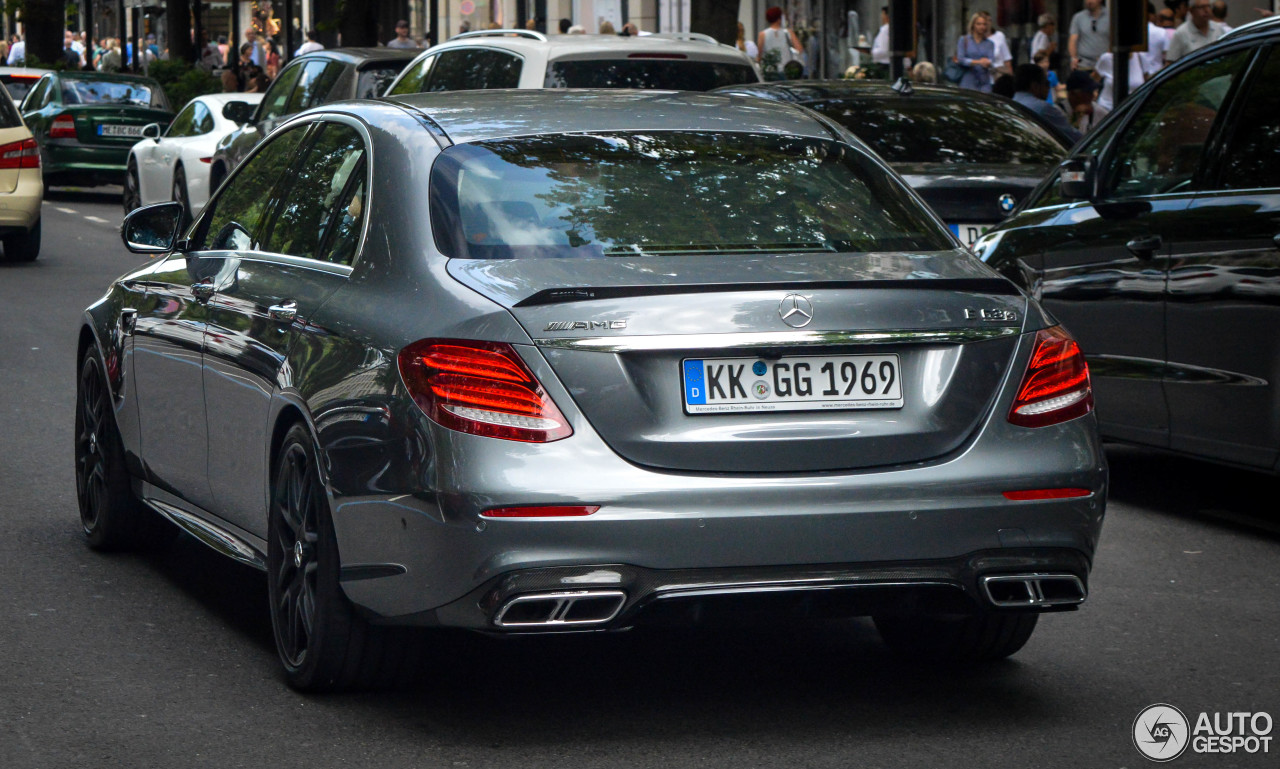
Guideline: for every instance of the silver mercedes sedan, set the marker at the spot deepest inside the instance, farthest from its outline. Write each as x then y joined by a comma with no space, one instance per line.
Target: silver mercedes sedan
549,361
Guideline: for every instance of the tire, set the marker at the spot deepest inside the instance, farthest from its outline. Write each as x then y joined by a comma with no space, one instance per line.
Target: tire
180,195
132,197
980,638
24,247
322,643
111,517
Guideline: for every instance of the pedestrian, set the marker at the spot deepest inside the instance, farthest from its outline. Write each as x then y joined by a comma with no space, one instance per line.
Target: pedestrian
880,46
1090,36
777,44
112,59
1105,73
311,45
1031,89
210,55
1157,42
402,39
1085,112
1195,33
1041,60
564,26
271,59
1046,38
1003,59
17,52
255,46
745,45
1219,9
975,52
223,49
606,28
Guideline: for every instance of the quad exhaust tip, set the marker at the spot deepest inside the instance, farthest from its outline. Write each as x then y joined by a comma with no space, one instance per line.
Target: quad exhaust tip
1032,590
564,609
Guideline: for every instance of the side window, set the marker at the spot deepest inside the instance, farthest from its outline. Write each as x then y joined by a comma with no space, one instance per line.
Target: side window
314,85
184,123
1050,193
203,121
1252,159
235,217
1162,147
35,99
415,79
473,69
276,99
347,220
318,184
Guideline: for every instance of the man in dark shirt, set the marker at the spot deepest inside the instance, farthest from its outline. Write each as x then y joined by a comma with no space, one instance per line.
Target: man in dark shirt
1031,89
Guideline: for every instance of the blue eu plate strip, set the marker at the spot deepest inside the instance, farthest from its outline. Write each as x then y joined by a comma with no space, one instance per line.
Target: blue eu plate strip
695,391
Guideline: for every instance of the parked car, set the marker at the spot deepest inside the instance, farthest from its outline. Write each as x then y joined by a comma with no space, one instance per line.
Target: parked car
174,165
972,156
20,80
507,58
86,122
21,185
455,368
1158,245
309,80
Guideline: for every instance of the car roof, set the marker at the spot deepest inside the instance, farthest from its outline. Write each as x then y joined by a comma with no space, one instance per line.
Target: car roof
359,56
804,91
109,77
469,116
573,46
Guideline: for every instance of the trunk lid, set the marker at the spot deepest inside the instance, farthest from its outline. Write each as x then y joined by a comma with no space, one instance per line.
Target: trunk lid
619,333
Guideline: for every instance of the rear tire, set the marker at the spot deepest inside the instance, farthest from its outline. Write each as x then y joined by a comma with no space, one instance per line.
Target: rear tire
111,516
321,641
24,247
132,198
980,638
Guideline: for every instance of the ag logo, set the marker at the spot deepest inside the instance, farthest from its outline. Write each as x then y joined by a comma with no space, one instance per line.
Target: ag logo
1161,732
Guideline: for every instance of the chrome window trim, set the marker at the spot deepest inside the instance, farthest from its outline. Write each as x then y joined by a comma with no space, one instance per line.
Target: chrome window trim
774,339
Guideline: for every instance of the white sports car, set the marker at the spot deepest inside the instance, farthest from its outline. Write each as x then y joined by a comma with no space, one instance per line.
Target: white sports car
175,165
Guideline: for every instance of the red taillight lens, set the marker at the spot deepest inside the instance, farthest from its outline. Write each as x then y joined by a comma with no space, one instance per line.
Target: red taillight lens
1056,385
63,127
23,154
1029,495
541,511
482,388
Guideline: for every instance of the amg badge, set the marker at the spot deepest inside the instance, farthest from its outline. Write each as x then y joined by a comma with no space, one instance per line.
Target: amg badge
585,325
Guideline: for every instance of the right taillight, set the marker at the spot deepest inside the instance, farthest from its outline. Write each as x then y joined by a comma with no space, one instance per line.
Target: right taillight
23,154
482,388
63,127
1056,386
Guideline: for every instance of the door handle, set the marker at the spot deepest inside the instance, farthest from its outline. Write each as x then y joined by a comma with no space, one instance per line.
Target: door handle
1145,248
203,290
284,312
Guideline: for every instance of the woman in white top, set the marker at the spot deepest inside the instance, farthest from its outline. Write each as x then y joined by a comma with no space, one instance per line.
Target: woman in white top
775,38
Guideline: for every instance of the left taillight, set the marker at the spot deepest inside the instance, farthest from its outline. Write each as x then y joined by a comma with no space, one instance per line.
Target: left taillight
1056,385
482,388
62,127
23,154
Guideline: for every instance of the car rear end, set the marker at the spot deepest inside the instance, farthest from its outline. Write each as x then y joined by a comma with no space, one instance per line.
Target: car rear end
651,62
89,140
21,183
784,388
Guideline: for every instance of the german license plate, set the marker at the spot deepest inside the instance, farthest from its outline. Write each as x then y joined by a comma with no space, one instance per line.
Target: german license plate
969,233
115,129
808,383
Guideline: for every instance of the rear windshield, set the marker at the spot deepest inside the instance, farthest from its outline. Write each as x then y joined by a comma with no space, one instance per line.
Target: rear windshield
9,117
907,130
106,92
375,78
665,74
650,194
18,85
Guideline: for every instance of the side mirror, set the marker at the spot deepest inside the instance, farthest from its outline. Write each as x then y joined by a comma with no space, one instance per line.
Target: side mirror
239,112
1078,179
152,131
152,229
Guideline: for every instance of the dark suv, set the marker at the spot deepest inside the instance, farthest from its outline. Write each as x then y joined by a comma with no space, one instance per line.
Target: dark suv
1157,244
309,80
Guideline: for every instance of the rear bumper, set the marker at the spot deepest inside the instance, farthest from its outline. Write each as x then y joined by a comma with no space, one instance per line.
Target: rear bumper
64,158
20,209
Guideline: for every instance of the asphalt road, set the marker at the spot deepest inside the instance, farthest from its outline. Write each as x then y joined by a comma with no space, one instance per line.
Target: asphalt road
165,660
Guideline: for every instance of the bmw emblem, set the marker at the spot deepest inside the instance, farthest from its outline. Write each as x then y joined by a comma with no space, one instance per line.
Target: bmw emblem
1007,203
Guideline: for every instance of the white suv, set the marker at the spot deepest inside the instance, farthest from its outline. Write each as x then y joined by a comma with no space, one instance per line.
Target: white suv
506,58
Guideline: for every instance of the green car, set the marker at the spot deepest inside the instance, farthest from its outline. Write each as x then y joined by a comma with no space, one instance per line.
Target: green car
86,123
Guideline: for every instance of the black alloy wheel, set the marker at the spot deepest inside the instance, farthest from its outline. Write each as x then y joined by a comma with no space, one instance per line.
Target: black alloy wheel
132,197
23,247
180,196
322,643
110,514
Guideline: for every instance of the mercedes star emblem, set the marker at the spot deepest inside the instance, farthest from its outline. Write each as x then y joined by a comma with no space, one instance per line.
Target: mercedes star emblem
795,311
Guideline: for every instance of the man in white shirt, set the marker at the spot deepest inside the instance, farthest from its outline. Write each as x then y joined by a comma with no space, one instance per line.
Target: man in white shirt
17,53
880,48
1195,33
310,45
1045,39
1157,42
1219,9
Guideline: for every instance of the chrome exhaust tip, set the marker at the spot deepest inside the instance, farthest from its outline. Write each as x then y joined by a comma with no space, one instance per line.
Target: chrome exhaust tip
565,609
1033,590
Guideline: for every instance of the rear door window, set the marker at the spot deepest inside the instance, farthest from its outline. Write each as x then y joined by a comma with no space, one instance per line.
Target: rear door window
276,101
9,117
313,87
234,219
185,123
373,80
415,78
1252,158
474,69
